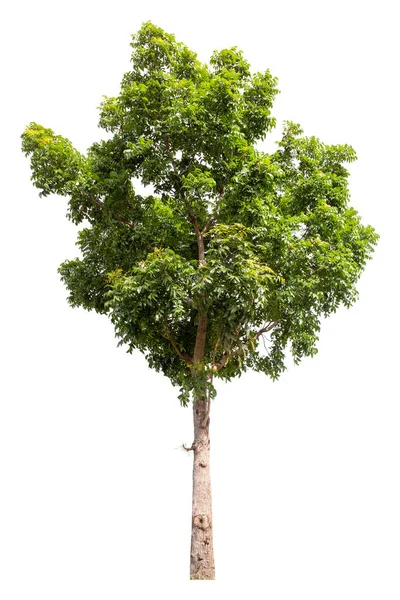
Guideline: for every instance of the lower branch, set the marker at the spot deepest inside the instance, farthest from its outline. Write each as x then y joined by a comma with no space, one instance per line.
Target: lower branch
191,449
182,355
229,353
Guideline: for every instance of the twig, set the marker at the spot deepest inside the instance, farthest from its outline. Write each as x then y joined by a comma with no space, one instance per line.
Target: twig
191,449
266,329
116,217
187,359
226,355
213,217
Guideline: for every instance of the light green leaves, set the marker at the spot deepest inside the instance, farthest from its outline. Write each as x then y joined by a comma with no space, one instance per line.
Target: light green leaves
55,164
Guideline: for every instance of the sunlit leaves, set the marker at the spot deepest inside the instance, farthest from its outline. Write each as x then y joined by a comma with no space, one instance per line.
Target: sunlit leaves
56,165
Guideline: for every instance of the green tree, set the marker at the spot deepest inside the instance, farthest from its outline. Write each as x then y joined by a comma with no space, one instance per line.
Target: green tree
231,246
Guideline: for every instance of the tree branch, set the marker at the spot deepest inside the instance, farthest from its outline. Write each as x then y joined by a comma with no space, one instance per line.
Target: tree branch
187,359
222,362
227,354
191,449
116,217
199,236
215,349
265,329
209,223
213,217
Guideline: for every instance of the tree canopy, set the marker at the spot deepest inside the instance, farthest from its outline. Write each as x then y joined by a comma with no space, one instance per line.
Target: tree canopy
255,247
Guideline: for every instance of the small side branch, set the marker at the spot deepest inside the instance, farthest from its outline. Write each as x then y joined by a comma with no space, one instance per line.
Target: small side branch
227,354
213,217
215,353
265,329
209,223
182,355
199,236
191,449
222,362
116,217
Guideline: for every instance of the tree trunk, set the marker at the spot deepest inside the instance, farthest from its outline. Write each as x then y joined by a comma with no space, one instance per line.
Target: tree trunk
201,552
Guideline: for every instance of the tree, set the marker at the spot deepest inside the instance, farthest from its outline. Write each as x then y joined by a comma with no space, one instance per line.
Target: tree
232,258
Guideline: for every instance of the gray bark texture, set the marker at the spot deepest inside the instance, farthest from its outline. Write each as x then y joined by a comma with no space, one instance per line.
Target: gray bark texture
201,552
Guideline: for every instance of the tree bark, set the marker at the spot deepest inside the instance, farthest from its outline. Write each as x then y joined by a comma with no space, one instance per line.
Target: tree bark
201,552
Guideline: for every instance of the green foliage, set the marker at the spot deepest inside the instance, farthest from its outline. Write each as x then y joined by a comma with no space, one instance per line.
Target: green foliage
261,245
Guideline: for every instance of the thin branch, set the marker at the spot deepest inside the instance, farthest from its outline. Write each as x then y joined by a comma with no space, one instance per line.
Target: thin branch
209,223
222,362
191,449
215,350
187,359
116,217
226,355
199,236
265,329
263,341
190,163
213,217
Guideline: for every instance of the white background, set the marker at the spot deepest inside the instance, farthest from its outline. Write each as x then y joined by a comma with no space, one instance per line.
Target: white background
95,496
